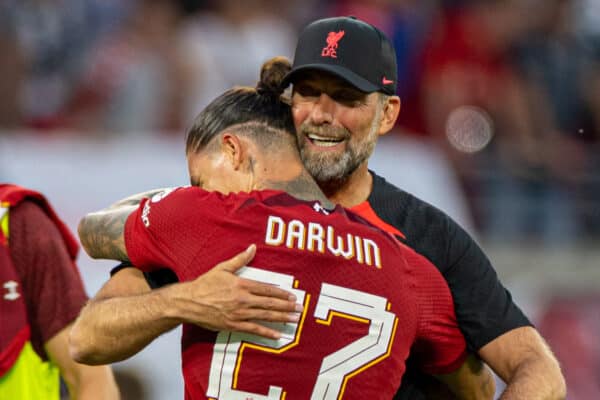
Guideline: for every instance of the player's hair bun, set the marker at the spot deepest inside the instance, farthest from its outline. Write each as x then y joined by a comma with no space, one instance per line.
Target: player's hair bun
271,75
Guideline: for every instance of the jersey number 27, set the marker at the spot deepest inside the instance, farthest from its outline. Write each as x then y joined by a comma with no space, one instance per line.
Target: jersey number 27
336,368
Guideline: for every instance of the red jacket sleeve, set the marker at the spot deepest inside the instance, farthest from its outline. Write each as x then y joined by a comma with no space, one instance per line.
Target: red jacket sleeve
53,289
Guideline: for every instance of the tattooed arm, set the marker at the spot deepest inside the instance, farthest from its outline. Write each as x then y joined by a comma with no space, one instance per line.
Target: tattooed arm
126,315
101,232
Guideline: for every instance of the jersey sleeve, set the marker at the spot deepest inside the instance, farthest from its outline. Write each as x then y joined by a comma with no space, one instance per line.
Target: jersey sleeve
53,289
484,307
155,232
440,346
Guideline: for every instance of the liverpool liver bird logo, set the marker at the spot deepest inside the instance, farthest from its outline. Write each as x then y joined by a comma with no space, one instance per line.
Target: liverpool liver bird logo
333,39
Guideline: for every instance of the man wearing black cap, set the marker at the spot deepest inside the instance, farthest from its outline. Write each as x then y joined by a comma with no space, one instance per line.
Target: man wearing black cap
344,84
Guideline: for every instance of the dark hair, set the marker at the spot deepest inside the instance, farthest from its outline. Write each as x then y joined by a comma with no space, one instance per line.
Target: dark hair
262,105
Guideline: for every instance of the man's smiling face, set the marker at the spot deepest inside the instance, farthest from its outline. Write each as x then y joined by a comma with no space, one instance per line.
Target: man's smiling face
337,125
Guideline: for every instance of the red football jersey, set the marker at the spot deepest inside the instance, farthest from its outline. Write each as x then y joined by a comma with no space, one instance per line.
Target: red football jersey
365,306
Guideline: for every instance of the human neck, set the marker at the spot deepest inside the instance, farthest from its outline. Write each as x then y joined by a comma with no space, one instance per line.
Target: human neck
293,179
353,190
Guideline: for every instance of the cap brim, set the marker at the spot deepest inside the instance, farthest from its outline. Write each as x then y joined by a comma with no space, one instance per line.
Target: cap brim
341,72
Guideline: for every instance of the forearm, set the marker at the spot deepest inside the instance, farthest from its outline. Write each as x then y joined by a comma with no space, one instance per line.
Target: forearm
114,329
525,362
94,383
84,382
535,379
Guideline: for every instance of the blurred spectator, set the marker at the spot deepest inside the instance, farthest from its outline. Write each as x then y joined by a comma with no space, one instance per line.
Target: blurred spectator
558,67
376,12
51,38
12,75
132,80
226,45
150,65
407,23
588,16
469,91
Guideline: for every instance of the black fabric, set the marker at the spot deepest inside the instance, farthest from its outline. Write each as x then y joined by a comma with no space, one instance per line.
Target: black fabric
484,307
156,279
123,265
160,278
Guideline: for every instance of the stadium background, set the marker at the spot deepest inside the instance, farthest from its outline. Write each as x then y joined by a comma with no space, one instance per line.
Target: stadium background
500,128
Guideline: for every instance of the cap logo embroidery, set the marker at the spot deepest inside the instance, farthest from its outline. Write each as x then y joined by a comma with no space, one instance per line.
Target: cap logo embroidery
386,81
333,39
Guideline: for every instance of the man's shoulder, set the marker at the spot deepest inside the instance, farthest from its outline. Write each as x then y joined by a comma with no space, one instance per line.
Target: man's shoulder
427,229
391,202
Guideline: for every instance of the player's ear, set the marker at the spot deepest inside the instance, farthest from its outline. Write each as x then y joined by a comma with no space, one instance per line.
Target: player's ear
389,114
231,147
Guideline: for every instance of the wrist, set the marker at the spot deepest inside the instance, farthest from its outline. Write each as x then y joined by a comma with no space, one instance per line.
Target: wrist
172,299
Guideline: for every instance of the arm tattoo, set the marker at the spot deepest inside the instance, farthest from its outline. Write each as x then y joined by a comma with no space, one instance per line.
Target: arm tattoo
102,233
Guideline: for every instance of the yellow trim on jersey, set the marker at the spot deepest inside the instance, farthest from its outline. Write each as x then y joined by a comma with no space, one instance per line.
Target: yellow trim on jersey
342,315
268,349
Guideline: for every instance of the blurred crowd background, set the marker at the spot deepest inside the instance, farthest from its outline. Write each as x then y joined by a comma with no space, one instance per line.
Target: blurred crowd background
500,120
508,89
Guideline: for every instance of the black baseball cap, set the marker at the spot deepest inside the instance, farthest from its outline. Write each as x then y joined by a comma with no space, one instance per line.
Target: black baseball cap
350,49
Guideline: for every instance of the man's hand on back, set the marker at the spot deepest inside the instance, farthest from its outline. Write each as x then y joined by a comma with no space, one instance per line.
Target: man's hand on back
221,300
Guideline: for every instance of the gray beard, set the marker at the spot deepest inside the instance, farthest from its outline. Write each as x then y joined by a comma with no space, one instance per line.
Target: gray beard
331,171
327,168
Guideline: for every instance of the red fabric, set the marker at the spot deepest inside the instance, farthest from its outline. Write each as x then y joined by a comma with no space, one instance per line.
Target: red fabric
14,194
43,252
14,329
11,353
434,301
365,210
191,230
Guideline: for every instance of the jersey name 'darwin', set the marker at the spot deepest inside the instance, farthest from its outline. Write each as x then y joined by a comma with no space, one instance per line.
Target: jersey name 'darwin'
316,237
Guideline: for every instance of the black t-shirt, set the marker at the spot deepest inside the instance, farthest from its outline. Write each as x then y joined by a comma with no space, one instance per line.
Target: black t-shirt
484,307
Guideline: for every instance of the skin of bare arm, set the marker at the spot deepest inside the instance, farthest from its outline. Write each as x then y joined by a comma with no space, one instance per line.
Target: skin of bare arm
101,233
84,382
522,358
471,381
126,315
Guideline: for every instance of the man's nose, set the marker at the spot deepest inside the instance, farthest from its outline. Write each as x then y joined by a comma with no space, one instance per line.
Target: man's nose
322,112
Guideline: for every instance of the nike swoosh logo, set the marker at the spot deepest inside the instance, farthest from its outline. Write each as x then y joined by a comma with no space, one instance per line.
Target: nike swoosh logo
386,81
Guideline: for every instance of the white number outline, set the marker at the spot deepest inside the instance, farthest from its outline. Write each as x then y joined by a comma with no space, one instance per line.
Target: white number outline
229,346
336,369
362,353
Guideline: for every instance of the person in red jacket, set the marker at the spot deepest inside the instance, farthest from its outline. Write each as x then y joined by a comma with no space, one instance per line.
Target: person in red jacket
41,293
